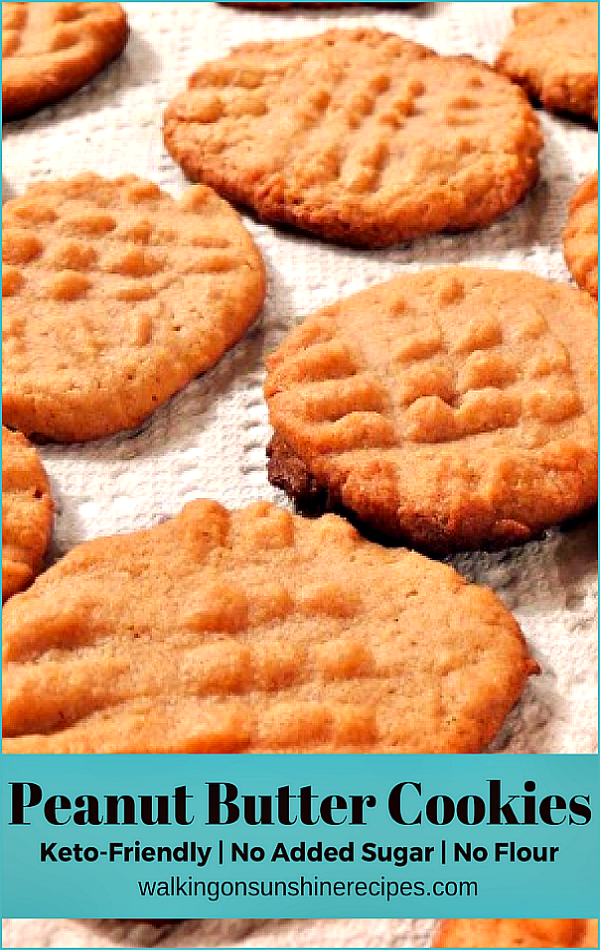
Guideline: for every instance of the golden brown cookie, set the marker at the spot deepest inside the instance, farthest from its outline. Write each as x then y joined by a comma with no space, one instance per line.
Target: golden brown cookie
455,408
114,297
517,933
581,236
51,49
552,52
256,631
358,136
26,513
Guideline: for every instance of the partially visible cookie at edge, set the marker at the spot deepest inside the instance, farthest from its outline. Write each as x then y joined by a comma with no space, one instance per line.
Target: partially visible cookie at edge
581,236
517,933
452,409
26,513
115,296
358,136
552,52
256,631
49,50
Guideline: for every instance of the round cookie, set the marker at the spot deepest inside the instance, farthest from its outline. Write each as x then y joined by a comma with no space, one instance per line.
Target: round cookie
552,52
256,631
581,236
114,297
358,136
49,50
517,933
455,408
26,513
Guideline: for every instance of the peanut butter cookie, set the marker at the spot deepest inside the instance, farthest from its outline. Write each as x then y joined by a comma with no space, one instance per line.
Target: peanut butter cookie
255,631
553,53
358,136
455,408
518,933
114,297
286,6
51,49
581,236
26,513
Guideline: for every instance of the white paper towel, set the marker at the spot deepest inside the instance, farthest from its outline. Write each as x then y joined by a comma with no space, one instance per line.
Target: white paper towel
210,440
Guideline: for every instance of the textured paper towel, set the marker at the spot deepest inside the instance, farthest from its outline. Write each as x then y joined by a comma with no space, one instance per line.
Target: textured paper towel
210,440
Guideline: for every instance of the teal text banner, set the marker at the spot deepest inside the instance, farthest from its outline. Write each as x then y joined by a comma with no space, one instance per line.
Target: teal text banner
300,836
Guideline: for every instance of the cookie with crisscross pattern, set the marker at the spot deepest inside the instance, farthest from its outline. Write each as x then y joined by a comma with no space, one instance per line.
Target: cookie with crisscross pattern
114,297
552,52
357,135
255,631
51,49
455,408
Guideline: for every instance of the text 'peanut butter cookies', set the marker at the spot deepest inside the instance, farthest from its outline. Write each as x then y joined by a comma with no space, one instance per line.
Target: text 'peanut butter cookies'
114,297
26,513
49,50
358,136
255,631
552,52
581,236
455,408
518,933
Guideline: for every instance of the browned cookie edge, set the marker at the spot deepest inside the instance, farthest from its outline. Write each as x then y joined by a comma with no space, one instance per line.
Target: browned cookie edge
585,277
287,471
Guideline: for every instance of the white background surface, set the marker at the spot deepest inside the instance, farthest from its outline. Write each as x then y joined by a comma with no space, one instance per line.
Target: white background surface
210,440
